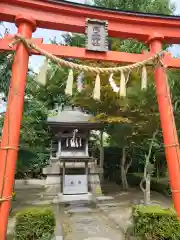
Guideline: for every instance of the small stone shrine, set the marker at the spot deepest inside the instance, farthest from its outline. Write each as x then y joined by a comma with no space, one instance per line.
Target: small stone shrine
72,173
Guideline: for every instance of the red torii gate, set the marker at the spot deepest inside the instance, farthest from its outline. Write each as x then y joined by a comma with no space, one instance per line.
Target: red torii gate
60,15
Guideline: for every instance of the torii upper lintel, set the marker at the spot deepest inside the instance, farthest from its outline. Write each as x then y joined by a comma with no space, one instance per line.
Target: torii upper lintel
70,17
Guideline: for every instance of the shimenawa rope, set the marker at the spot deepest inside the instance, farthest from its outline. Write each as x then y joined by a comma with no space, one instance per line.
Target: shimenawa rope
30,45
5,199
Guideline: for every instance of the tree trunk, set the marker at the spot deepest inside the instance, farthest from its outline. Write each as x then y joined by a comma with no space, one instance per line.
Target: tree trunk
147,174
101,149
147,192
124,181
157,171
123,171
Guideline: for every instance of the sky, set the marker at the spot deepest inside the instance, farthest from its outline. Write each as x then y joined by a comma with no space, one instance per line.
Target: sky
177,3
176,48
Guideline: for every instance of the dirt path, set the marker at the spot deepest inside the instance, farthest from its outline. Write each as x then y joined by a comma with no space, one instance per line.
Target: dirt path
82,222
107,219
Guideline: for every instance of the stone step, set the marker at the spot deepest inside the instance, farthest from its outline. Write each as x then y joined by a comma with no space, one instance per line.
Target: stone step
72,198
80,210
111,204
103,198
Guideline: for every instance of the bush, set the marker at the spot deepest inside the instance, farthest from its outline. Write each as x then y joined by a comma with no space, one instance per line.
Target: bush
161,185
155,223
35,224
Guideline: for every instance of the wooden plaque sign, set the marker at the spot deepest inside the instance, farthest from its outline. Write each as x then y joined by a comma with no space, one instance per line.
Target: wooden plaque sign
96,35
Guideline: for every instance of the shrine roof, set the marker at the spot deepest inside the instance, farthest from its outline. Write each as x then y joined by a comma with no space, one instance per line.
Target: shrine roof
69,116
134,13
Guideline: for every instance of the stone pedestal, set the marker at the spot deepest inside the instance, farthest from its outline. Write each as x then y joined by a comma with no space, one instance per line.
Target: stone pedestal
54,177
94,181
100,171
72,198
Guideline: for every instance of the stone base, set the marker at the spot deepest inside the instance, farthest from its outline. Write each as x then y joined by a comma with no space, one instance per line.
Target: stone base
53,168
71,198
103,198
51,191
95,183
54,178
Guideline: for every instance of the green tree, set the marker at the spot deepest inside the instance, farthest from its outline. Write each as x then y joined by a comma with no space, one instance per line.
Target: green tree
5,65
148,6
139,109
5,72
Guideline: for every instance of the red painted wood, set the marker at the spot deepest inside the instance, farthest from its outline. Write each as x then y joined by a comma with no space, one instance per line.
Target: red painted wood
67,17
12,123
169,131
82,53
4,43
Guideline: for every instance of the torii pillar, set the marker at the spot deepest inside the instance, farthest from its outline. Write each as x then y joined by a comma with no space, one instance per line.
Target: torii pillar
12,122
168,125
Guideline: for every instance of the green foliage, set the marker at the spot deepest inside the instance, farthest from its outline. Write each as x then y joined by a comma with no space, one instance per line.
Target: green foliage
137,114
160,185
35,136
25,159
5,71
155,223
30,163
35,224
144,6
148,6
77,40
53,92
6,60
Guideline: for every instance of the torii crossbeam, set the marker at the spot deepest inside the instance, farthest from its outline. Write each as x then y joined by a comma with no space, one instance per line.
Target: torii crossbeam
60,15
